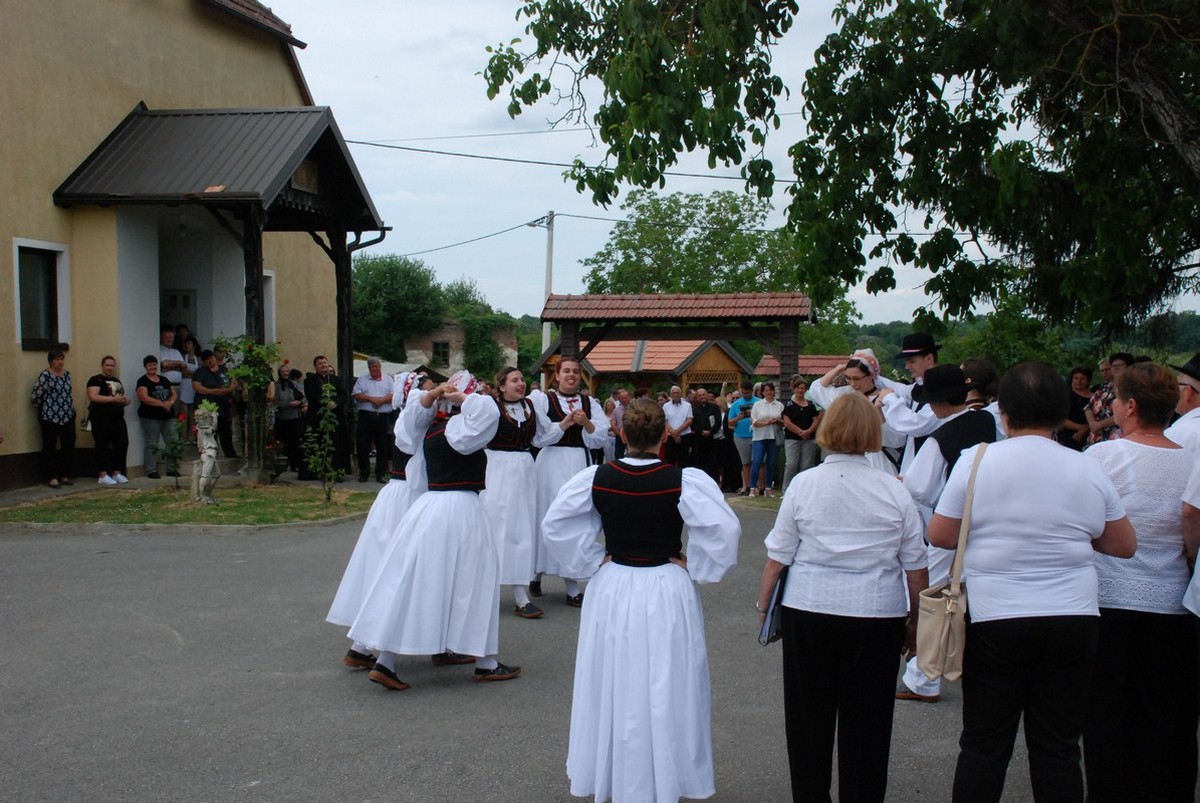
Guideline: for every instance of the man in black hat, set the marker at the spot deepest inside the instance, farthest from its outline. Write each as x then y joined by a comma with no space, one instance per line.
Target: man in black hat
943,391
901,410
1186,429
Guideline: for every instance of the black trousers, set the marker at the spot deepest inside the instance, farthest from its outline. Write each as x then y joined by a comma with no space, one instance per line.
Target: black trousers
1139,738
704,455
373,429
225,430
1038,667
58,449
112,443
289,432
839,672
678,454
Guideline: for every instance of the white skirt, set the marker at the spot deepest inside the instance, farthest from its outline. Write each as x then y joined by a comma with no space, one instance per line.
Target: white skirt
511,504
640,712
378,531
438,587
555,465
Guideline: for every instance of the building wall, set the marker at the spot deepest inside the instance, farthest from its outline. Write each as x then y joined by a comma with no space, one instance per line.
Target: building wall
71,72
420,349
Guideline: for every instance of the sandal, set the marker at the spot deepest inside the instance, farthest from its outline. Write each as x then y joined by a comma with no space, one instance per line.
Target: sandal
54,484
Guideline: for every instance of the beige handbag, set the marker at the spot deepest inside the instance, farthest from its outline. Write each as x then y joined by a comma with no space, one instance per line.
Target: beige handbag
942,610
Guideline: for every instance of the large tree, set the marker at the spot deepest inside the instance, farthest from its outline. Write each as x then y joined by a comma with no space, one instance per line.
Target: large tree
1043,149
394,297
681,243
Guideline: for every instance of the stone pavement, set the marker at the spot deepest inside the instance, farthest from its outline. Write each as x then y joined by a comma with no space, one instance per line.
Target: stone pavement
171,663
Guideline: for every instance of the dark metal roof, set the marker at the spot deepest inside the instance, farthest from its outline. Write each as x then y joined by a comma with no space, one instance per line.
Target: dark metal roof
227,158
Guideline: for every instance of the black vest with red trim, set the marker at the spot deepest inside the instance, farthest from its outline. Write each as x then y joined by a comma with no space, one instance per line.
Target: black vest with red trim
513,435
639,507
399,464
448,470
573,436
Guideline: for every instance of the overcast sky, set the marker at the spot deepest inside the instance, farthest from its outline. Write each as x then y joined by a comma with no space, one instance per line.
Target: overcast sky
406,73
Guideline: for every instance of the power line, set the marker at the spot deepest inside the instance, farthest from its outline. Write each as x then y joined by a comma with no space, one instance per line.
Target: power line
473,239
513,160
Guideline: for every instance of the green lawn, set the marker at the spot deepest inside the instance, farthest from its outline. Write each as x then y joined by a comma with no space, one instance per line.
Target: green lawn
254,505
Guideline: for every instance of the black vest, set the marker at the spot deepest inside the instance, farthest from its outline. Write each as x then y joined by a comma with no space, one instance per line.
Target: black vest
573,436
963,432
639,508
447,469
399,464
513,435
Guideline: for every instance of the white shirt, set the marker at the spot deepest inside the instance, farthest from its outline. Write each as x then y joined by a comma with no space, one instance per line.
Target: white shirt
849,532
1186,431
550,432
926,476
906,417
1150,480
382,386
678,414
1037,508
169,353
761,411
825,395
1191,495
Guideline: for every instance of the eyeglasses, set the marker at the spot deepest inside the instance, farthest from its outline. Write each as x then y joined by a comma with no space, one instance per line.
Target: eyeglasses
855,378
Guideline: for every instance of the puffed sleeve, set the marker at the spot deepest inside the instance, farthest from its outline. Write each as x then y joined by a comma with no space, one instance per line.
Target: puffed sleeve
412,422
597,438
825,394
926,476
713,528
475,426
548,432
571,525
905,420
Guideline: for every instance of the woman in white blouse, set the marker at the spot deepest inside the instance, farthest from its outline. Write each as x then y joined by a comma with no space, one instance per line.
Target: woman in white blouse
1139,739
1039,511
852,537
766,421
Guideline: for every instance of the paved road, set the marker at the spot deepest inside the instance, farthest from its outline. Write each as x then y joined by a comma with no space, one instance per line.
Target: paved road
196,666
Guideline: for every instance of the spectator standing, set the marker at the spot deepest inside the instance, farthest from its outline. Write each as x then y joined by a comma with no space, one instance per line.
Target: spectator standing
765,418
706,432
373,400
800,421
1099,410
156,397
677,449
212,383
1074,431
190,348
289,414
322,375
737,421
106,410
56,417
1186,430
622,398
170,359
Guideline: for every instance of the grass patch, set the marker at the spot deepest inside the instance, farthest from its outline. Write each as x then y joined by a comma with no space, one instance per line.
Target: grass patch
242,504
760,502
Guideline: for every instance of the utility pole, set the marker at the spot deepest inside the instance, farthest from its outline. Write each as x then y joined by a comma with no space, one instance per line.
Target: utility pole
549,274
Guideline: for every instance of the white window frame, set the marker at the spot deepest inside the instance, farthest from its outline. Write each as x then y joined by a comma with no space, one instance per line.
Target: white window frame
62,279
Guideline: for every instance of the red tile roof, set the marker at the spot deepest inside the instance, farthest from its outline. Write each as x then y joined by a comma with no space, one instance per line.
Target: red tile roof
676,307
809,364
258,15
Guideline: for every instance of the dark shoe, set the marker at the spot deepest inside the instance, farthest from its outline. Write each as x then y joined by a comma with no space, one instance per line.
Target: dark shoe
501,672
386,678
451,658
903,692
535,588
231,455
381,480
528,611
359,660
153,475
575,601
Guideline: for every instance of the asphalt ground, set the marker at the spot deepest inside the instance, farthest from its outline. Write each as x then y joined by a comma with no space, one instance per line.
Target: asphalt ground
195,665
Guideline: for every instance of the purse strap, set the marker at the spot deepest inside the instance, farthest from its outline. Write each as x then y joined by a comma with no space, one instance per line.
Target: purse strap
961,551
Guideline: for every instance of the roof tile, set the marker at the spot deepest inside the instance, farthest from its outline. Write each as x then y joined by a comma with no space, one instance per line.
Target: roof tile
676,307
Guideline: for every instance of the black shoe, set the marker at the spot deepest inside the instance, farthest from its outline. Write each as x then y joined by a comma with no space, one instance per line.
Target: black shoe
451,658
386,678
67,481
535,588
501,672
153,475
381,480
575,601
528,611
359,660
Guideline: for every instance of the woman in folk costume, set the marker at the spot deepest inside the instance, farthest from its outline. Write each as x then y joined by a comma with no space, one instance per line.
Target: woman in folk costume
437,591
510,498
861,373
380,528
640,712
577,424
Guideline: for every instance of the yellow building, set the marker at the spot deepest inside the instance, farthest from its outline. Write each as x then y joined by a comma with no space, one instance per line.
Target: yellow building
162,161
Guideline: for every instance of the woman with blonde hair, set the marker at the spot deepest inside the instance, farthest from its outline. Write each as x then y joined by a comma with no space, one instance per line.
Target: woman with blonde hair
853,539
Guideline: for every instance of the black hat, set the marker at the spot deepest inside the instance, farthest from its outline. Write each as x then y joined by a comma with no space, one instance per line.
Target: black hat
1191,367
917,343
941,383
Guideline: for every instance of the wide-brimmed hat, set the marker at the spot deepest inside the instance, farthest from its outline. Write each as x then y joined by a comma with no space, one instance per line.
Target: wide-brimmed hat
915,344
1191,367
941,383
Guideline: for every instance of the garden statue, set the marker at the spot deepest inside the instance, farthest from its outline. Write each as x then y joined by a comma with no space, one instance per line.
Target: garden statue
205,473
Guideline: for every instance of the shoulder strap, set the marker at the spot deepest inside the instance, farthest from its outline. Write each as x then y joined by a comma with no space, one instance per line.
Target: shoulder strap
965,526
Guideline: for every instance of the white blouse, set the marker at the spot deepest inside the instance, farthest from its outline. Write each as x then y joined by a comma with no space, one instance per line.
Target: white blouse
849,532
